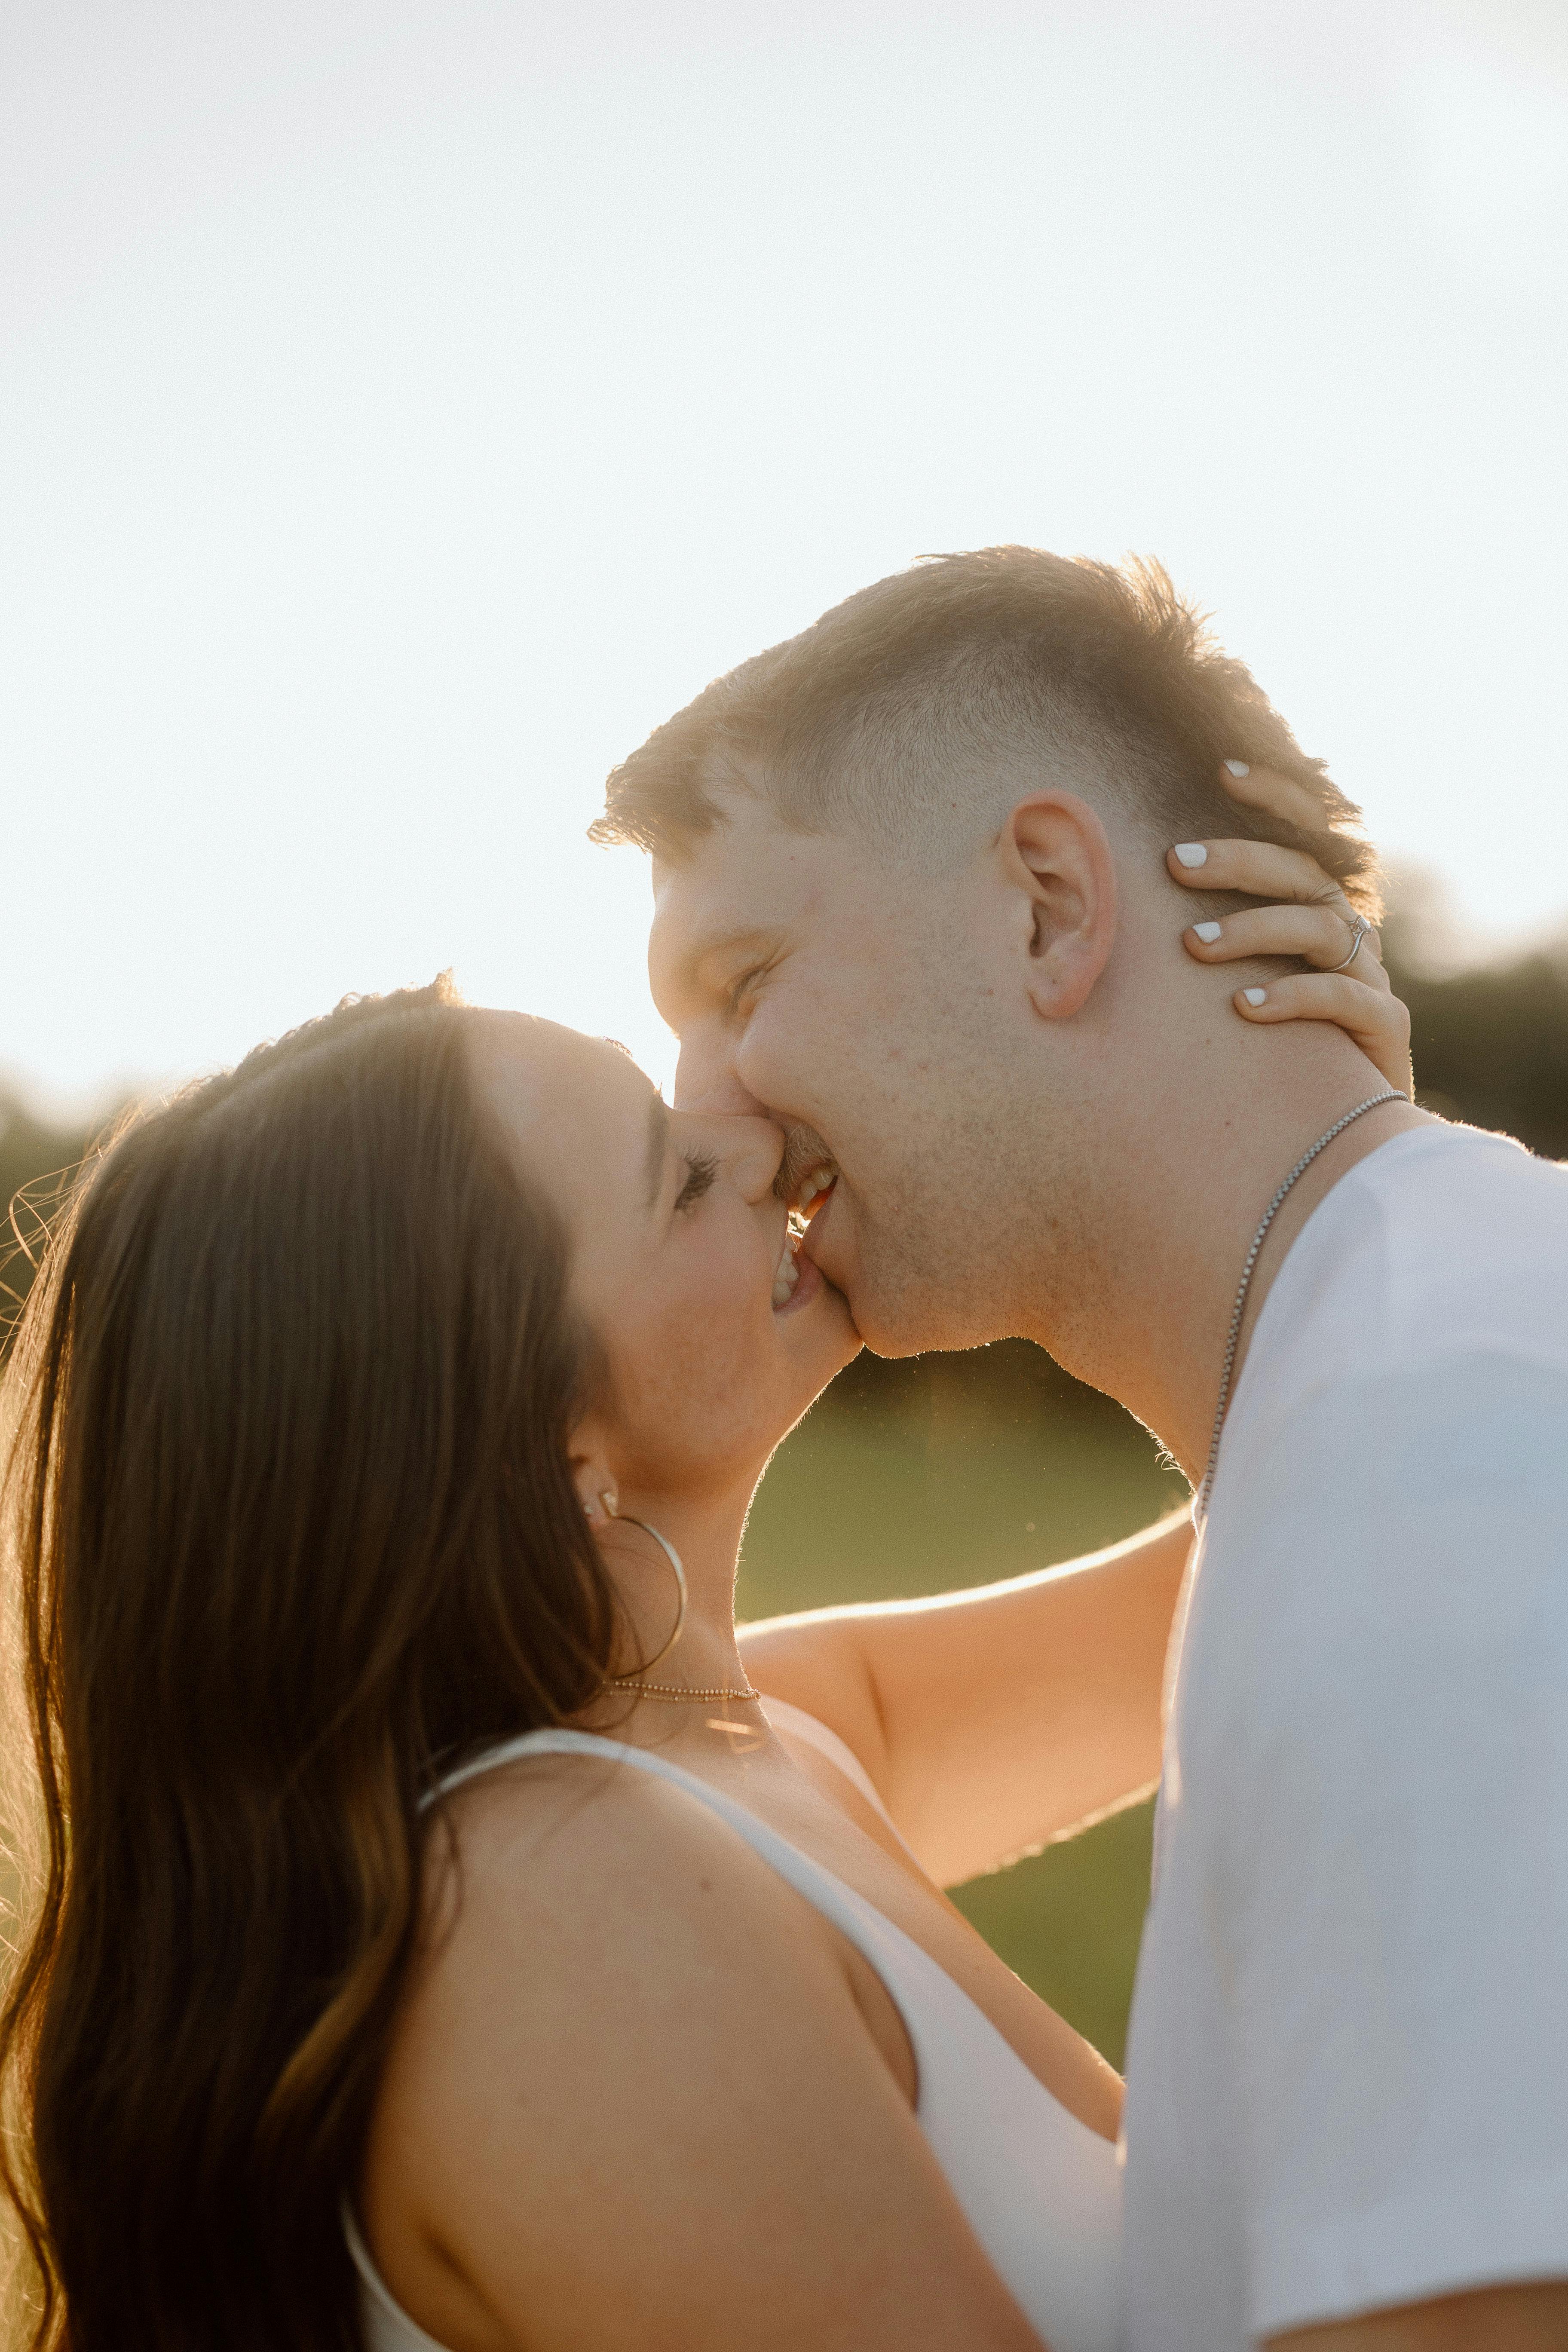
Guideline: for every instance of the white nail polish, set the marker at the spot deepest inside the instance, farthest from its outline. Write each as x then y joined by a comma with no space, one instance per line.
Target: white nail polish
1239,767
1255,995
1192,853
1208,932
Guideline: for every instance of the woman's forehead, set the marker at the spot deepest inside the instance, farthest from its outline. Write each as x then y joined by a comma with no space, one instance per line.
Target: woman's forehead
545,1077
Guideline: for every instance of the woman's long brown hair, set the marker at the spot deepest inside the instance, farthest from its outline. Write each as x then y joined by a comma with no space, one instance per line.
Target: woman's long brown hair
291,1526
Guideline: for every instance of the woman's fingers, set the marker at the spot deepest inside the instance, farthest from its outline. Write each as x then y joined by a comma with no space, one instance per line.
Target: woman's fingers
1259,869
1314,919
1321,934
1276,795
1374,1017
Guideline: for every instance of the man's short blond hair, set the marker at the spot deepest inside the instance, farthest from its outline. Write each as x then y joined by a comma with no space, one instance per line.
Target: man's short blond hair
911,713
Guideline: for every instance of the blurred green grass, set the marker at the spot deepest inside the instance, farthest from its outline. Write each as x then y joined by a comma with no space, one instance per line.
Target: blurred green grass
920,1477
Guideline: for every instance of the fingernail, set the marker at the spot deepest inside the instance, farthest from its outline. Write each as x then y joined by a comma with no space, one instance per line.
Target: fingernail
1192,853
1256,995
1208,932
1239,767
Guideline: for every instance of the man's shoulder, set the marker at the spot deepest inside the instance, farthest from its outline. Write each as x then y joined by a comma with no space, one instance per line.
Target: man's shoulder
1397,1439
1447,1240
1443,1159
1382,1580
1443,1177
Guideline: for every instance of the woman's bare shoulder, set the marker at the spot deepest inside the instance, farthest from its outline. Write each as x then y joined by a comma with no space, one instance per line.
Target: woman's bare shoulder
573,1844
572,1903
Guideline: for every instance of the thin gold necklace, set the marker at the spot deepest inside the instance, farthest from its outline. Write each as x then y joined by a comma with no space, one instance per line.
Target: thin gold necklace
673,1694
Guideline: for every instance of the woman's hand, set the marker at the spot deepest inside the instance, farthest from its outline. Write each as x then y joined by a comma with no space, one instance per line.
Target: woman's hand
1317,921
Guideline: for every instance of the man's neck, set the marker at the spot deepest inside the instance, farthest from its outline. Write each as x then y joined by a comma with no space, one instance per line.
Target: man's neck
1197,1161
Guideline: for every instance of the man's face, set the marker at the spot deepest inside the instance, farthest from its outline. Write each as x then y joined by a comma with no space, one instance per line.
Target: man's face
854,1003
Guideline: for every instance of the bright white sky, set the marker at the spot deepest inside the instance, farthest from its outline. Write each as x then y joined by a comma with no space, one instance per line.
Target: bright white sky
404,407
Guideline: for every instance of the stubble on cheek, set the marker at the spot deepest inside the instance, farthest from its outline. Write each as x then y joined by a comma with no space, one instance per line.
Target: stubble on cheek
942,1228
803,1150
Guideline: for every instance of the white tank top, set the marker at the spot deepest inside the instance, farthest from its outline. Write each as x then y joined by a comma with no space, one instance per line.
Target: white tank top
1040,2190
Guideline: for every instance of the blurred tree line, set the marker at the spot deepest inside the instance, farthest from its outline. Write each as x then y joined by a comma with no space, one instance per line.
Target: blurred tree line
1489,1044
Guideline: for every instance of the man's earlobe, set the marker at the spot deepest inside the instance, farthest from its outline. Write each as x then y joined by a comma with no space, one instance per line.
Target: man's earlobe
1056,854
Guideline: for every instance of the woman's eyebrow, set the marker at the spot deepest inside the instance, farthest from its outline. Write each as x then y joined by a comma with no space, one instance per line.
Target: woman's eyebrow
658,1148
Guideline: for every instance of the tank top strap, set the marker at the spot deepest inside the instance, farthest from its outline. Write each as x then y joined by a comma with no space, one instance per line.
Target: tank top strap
890,1951
796,1723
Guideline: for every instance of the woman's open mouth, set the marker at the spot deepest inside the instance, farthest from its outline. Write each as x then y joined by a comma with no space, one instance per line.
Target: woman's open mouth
796,1278
797,1281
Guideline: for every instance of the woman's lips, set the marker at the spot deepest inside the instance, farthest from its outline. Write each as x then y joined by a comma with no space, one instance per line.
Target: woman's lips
799,1277
808,1283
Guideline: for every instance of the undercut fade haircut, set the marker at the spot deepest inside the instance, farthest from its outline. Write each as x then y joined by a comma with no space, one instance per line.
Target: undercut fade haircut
918,711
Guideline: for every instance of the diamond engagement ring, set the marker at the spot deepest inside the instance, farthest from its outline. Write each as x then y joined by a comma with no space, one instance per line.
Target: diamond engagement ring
1361,930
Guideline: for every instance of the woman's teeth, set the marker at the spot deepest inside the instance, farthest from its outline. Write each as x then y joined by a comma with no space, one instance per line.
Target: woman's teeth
788,1274
807,1201
820,1181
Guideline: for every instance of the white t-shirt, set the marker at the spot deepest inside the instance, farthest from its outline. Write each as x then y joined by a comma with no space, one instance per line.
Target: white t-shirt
1348,2071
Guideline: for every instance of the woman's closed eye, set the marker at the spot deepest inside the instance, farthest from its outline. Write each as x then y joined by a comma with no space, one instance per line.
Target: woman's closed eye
700,1169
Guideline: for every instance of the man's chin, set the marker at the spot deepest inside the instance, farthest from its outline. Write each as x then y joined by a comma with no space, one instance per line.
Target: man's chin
898,1318
897,1335
895,1308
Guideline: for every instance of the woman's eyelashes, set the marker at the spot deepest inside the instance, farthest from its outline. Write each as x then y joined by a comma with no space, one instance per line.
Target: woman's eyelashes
700,1169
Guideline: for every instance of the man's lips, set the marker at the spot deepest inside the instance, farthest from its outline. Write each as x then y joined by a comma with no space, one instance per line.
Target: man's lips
805,1155
814,1268
816,1217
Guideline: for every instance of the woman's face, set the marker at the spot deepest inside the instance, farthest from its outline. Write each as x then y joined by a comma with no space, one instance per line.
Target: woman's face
717,1338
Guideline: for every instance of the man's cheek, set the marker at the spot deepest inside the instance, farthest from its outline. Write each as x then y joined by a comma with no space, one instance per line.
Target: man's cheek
788,1059
763,1068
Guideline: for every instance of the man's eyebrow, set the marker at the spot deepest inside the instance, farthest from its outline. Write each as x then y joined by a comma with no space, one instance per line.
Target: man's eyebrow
657,1148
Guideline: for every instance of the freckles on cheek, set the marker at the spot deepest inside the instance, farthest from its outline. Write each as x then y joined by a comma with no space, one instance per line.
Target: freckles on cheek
694,1395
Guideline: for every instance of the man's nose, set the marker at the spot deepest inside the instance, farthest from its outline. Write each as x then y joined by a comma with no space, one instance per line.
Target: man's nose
754,1153
706,1080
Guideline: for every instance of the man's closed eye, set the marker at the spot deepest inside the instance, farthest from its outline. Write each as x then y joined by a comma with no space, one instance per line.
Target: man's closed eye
738,995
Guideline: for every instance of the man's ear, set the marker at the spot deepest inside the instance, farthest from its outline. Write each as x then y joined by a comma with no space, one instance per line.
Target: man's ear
1056,853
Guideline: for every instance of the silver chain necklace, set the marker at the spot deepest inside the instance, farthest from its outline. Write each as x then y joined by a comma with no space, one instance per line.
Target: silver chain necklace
1200,1500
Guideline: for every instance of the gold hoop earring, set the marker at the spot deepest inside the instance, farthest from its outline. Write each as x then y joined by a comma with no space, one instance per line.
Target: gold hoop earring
624,1518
